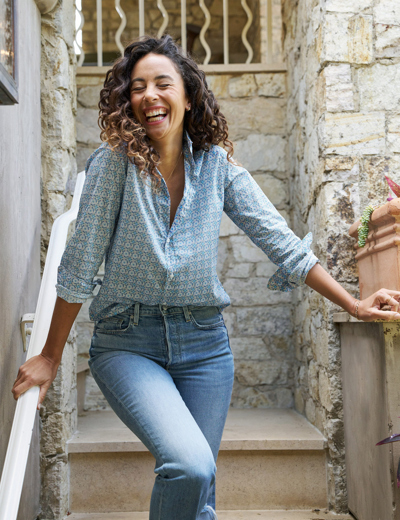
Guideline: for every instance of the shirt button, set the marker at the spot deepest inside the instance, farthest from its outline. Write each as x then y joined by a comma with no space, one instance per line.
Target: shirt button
171,276
167,240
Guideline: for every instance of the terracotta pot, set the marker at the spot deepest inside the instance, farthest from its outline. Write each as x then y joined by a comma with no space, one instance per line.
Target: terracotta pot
379,260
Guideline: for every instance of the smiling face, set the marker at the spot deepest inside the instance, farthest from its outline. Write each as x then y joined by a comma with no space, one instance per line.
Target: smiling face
158,97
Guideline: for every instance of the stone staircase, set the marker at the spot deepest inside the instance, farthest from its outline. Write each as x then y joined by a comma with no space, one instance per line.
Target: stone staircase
271,466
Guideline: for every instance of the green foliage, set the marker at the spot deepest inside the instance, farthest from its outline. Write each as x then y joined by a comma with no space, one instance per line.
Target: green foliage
363,230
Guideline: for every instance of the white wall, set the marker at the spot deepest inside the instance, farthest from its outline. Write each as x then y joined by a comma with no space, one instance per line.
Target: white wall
20,218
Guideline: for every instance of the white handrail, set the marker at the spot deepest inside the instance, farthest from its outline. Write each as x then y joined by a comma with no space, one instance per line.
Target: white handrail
13,474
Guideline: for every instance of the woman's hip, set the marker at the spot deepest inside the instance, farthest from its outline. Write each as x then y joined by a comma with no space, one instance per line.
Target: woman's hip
170,336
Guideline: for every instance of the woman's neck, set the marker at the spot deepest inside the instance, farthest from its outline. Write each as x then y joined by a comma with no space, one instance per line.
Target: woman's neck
169,151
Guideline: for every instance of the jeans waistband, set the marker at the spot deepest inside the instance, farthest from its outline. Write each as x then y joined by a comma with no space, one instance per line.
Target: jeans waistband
139,309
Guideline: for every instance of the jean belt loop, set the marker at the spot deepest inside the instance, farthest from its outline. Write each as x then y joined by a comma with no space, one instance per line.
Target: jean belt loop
136,314
186,313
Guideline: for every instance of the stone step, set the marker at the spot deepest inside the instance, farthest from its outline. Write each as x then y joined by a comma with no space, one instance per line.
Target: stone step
223,515
269,459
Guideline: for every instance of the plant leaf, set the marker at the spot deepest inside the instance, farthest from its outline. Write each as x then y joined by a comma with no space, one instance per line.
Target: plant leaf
393,438
393,186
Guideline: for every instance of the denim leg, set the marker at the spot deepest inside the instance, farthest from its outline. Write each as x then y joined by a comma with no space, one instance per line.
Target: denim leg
143,394
206,389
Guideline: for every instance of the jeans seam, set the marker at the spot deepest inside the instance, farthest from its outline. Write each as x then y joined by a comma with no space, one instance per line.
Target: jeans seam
161,498
206,327
125,408
121,331
229,342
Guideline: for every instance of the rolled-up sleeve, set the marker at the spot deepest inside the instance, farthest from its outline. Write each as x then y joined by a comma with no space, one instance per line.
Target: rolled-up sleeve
250,209
98,213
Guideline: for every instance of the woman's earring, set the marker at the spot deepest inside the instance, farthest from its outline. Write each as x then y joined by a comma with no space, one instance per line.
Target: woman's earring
188,108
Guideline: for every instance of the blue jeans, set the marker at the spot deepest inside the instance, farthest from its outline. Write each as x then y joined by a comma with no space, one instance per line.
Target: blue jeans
167,372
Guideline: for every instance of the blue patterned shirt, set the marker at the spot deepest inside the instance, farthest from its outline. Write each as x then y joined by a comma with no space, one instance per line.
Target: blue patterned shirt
122,217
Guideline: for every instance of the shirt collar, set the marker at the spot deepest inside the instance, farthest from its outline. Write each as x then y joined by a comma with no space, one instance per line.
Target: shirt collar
188,153
189,142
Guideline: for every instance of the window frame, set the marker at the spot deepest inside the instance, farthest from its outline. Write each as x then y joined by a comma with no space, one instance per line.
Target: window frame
8,82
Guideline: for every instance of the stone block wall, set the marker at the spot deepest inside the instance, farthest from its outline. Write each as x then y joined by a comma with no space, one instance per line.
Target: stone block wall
259,321
58,104
153,21
343,59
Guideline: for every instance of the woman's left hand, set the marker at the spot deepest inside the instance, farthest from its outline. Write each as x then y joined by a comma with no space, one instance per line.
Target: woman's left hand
382,305
369,309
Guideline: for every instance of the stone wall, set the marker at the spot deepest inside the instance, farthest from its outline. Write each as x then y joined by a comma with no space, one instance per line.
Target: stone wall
153,20
58,100
343,61
259,321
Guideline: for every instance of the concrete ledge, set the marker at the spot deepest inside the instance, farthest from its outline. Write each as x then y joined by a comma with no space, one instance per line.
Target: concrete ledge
82,366
344,317
245,429
233,68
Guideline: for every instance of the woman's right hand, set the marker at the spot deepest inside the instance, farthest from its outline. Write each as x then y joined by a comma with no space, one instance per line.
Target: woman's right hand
37,371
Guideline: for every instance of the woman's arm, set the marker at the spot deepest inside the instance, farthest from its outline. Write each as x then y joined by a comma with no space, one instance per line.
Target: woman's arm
98,212
368,309
253,213
249,208
41,370
95,224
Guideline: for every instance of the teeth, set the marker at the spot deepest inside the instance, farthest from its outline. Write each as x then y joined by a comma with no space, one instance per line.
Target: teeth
157,118
156,112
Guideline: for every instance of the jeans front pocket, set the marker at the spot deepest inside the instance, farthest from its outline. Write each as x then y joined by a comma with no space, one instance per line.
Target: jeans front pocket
207,318
114,325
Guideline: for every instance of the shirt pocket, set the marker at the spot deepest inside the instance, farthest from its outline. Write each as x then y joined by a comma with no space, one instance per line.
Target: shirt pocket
113,325
209,318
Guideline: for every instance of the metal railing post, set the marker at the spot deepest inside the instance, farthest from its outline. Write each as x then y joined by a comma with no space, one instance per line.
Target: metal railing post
226,31
269,31
141,18
183,26
99,12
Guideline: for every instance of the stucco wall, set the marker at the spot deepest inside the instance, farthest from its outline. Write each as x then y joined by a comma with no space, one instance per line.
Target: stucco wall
343,61
259,321
20,233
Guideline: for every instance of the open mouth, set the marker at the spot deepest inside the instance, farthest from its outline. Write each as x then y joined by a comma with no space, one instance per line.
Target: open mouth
156,115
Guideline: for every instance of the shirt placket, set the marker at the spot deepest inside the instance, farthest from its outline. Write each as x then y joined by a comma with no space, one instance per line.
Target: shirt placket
170,257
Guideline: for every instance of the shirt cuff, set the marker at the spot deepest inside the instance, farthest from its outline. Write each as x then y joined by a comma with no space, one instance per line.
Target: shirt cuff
71,288
293,272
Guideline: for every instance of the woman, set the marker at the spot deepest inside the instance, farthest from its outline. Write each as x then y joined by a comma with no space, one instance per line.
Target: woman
152,203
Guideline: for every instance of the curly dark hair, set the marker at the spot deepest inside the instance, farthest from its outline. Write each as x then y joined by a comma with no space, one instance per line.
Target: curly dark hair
205,124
